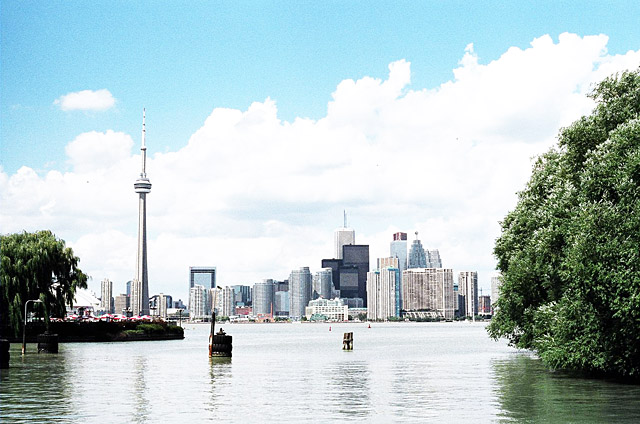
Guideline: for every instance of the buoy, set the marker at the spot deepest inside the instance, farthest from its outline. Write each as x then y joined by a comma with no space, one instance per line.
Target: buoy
329,328
369,325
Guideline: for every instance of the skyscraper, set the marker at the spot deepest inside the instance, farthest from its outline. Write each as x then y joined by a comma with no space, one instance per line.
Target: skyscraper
322,282
199,302
225,302
398,249
140,284
343,236
264,298
204,276
417,255
356,255
428,289
383,293
299,292
433,259
468,288
106,296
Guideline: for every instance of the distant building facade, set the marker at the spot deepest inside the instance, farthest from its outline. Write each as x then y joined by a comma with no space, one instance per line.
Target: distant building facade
204,276
417,255
428,289
327,310
398,249
322,283
343,237
282,303
484,305
468,289
383,293
299,292
242,295
106,296
433,259
121,304
199,302
264,298
225,302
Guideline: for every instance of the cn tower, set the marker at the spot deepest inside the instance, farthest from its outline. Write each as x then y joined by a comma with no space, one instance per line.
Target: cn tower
142,186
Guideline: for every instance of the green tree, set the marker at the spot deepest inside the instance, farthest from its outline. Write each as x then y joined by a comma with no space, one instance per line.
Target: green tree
36,266
569,252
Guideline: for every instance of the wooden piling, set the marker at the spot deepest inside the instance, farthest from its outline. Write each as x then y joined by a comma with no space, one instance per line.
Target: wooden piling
347,341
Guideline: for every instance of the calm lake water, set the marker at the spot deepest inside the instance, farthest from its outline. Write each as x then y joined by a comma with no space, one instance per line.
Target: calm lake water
397,372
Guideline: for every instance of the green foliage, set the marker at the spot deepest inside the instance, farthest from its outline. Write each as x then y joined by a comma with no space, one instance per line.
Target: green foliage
36,266
151,328
569,252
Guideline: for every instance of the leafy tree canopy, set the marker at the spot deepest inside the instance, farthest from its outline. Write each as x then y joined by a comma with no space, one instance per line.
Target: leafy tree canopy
36,266
569,252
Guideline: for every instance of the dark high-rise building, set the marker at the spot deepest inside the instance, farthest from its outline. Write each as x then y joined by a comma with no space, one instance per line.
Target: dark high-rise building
349,274
349,281
357,255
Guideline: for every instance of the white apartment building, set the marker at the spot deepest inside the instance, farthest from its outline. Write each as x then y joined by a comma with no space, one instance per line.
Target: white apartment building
383,292
428,289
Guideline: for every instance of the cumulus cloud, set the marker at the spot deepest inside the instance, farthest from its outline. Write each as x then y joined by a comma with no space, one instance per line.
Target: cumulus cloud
97,100
257,196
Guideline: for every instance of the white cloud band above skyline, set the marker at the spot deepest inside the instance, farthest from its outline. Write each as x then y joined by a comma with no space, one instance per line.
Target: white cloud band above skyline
98,100
257,196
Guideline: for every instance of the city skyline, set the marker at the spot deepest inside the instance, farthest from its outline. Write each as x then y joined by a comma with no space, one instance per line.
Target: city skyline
265,124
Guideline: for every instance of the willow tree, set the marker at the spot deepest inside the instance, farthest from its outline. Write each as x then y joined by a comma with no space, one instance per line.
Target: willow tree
36,266
569,252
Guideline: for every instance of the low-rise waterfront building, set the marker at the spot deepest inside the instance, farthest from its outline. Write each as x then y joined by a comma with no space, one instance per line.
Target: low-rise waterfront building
327,310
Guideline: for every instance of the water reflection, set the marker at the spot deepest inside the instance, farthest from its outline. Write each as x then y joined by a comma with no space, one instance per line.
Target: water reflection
139,387
349,388
36,386
220,372
528,392
412,380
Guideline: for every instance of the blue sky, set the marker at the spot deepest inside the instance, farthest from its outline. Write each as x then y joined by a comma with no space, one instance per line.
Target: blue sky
421,116
182,61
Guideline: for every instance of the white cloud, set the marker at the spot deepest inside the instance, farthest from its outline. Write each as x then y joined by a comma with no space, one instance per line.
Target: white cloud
86,100
257,197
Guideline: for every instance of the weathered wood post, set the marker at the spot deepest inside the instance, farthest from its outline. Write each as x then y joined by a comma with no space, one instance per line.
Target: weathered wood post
4,353
347,341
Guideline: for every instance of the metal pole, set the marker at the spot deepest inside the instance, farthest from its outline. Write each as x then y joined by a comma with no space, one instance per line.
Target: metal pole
24,328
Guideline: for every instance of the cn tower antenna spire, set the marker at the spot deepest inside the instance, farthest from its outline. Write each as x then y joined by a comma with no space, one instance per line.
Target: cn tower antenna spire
143,148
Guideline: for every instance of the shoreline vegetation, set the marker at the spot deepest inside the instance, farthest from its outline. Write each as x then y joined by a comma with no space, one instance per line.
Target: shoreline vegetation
568,252
100,331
